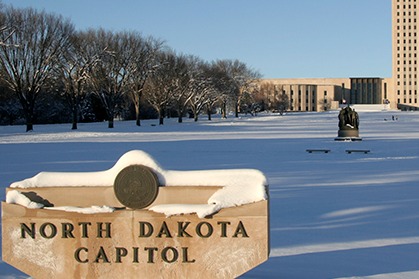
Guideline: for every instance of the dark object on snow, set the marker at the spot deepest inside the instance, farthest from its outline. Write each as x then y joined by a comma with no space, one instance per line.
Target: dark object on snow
348,124
349,151
318,150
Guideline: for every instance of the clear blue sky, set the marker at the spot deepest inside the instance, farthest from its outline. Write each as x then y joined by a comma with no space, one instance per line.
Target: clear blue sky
279,38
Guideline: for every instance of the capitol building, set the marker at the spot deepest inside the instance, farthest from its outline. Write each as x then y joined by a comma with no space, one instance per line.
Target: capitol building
397,92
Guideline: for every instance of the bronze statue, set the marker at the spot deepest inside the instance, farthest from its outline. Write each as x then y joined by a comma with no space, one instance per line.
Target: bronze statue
348,119
348,124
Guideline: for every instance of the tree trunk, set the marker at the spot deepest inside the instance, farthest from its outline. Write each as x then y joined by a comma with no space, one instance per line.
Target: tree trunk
75,117
110,123
136,97
137,115
29,126
236,110
209,114
224,110
180,115
29,117
161,116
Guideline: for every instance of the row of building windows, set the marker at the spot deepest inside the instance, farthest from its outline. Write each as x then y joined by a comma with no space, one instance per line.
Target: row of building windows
313,92
405,62
409,48
299,92
407,42
405,1
408,14
307,109
405,76
404,55
407,21
405,51
404,34
410,92
405,101
406,6
408,27
405,69
297,99
313,101
407,83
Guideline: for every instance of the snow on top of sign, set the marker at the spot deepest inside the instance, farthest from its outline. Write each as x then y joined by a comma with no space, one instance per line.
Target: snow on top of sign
239,186
17,197
99,178
201,210
84,210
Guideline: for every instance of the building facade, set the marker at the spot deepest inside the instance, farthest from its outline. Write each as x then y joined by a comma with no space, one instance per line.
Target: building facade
321,94
372,90
398,92
405,53
311,94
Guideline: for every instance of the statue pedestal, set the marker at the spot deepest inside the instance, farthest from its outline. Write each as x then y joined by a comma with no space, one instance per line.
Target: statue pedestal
348,135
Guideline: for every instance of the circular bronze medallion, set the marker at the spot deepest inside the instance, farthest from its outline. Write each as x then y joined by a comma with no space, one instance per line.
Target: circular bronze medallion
136,186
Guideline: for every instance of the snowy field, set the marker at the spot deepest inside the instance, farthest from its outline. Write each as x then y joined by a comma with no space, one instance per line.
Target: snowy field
333,215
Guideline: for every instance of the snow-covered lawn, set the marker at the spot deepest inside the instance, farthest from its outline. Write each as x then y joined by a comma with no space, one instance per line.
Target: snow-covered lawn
333,215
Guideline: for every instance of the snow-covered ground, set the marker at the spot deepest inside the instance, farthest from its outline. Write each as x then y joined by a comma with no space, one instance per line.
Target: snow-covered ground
333,215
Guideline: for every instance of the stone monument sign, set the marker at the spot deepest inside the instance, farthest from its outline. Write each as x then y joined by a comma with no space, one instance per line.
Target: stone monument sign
137,220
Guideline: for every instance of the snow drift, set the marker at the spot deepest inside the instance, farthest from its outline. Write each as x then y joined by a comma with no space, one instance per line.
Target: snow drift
239,186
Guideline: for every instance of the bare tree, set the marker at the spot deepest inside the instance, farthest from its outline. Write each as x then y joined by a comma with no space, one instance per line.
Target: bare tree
183,75
240,78
207,89
199,98
145,51
260,101
162,84
74,71
4,29
268,93
39,39
198,87
10,109
282,103
213,97
274,95
110,76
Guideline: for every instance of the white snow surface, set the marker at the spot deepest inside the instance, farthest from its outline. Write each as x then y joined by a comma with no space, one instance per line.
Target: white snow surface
202,210
85,210
333,215
90,179
240,186
16,197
